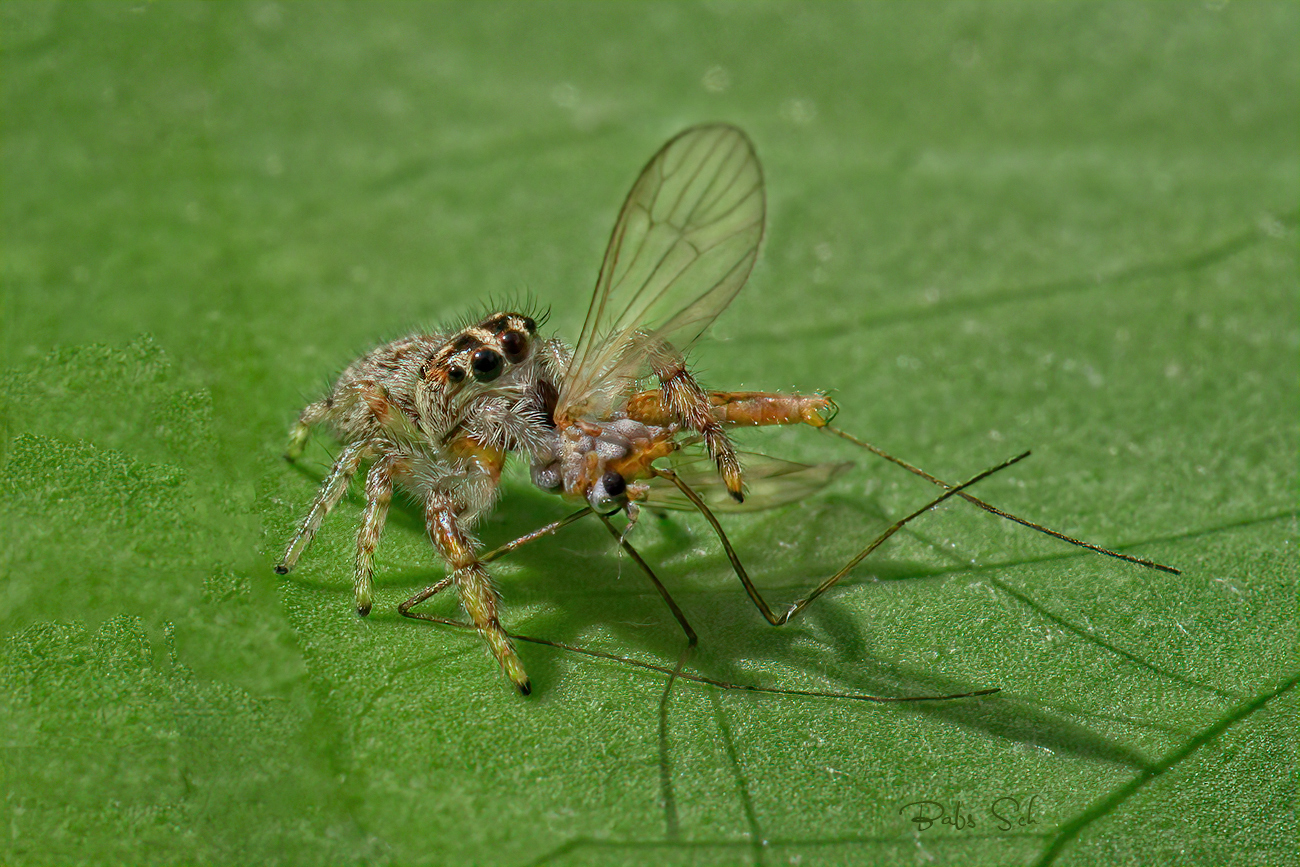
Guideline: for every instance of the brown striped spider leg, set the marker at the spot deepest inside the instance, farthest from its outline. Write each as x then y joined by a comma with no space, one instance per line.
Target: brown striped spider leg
379,494
437,587
478,595
331,491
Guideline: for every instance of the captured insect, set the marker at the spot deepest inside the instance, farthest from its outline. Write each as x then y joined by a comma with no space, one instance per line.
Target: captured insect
618,421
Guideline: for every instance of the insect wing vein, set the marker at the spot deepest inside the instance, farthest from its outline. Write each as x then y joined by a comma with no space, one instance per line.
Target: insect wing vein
683,246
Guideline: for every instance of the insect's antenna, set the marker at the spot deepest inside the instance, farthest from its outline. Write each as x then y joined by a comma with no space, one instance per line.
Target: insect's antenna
875,450
759,602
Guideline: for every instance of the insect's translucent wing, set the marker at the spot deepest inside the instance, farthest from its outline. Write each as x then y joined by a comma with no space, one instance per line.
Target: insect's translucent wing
770,482
682,248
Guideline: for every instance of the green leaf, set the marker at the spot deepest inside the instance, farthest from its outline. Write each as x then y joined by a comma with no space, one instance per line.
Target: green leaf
1065,227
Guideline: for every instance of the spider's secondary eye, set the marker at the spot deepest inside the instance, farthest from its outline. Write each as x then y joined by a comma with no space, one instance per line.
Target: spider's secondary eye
530,325
515,345
614,484
455,374
487,364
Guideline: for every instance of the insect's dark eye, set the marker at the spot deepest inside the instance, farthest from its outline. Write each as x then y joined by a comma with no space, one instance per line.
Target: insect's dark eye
455,374
515,345
487,364
613,484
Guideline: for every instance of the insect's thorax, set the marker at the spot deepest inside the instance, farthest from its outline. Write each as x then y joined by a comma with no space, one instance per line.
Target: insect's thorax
600,461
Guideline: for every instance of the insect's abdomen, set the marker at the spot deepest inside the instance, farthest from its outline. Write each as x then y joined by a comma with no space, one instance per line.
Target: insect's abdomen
741,408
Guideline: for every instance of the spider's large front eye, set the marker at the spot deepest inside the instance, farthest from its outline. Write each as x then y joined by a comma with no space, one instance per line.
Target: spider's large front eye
487,364
515,345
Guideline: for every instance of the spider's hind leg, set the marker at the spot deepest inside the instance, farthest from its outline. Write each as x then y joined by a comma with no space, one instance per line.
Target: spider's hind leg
379,494
312,415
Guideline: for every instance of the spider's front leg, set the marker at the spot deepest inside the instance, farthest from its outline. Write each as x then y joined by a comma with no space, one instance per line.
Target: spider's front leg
477,593
379,494
331,491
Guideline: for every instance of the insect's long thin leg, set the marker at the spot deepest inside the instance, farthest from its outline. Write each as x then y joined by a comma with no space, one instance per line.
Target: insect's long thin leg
665,767
549,529
675,672
875,450
699,678
691,638
331,491
427,593
723,684
801,604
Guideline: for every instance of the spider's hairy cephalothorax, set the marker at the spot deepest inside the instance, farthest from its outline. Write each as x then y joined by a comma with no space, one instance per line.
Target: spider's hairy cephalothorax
488,383
437,414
